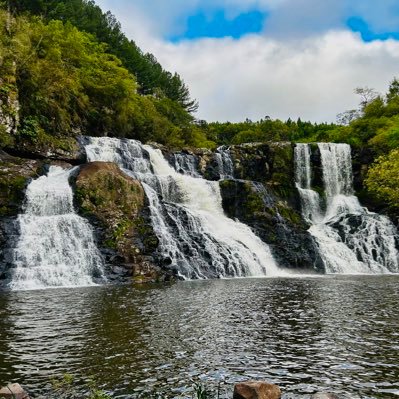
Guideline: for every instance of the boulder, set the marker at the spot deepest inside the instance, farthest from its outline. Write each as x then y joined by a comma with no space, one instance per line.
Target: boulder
256,390
117,207
13,391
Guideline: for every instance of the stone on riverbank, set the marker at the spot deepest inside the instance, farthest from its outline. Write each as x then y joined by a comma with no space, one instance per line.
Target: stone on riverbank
256,390
13,391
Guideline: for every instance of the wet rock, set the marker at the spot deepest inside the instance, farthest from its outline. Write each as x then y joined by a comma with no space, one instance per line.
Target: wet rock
274,221
116,205
13,391
15,174
256,390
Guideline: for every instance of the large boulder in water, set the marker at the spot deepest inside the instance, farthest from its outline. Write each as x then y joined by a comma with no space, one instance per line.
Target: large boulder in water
116,205
256,390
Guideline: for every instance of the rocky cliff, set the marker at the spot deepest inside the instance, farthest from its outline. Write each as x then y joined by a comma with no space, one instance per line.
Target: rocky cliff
257,189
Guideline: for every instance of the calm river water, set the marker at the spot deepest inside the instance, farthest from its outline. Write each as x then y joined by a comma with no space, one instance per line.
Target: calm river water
337,334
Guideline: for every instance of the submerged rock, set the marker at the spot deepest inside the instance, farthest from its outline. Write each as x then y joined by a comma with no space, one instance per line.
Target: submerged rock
256,390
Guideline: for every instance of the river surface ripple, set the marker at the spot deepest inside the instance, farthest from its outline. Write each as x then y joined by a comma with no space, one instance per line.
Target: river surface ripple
336,334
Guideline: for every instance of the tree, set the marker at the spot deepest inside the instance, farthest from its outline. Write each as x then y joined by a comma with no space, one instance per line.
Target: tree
88,17
383,178
366,94
345,118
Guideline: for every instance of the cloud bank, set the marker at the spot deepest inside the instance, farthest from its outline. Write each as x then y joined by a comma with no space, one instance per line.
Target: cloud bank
305,64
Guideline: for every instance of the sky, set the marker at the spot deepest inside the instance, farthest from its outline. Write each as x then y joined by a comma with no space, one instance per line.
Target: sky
279,58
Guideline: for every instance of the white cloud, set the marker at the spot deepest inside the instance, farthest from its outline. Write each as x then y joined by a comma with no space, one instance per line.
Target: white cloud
309,76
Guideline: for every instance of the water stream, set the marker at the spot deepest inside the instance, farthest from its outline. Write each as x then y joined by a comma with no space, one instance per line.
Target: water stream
56,247
195,236
351,239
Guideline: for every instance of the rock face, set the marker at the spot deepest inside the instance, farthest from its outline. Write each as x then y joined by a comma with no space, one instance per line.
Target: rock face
116,206
50,148
14,175
256,390
274,221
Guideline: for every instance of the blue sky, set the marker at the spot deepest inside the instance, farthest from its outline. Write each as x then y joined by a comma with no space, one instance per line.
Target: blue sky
283,58
217,24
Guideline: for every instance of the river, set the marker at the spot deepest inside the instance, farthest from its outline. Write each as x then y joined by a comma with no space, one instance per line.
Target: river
330,333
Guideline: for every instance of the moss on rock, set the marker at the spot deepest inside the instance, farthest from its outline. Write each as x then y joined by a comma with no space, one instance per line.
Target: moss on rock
116,203
274,221
15,173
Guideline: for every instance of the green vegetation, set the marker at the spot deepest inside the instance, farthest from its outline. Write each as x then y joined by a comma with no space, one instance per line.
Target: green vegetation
383,178
88,17
68,83
65,388
375,124
67,69
116,200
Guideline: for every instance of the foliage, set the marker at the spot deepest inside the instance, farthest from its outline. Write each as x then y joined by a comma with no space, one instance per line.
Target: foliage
383,178
375,124
68,83
88,17
269,130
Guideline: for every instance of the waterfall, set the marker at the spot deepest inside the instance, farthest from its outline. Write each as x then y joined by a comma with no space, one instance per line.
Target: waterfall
310,199
56,246
224,162
186,164
351,239
196,238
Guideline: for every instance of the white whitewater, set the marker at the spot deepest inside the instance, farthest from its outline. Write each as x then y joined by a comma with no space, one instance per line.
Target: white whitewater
186,164
195,236
310,199
351,239
56,246
224,162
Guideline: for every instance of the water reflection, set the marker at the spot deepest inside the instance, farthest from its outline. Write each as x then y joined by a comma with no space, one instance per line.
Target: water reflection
334,334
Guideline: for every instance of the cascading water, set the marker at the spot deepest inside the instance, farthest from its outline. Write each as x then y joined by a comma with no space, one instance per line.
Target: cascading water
224,162
310,200
351,239
56,246
195,236
186,164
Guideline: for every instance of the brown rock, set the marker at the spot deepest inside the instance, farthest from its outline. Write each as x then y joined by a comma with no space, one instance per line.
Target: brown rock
13,391
256,390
